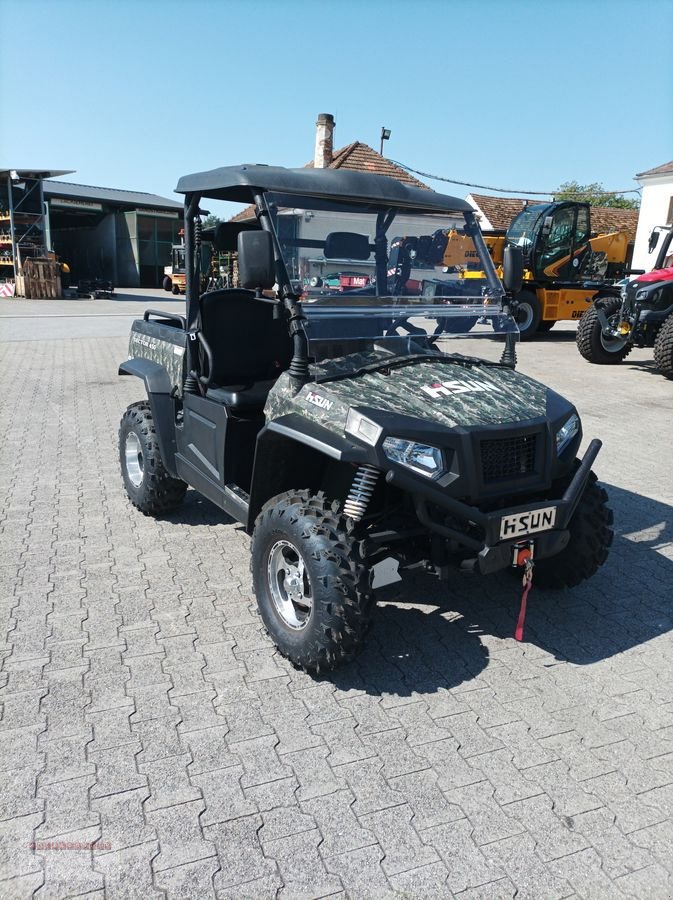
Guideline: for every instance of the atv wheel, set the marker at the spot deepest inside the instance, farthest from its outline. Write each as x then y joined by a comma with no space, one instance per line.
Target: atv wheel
167,284
594,346
527,314
149,486
663,348
587,549
311,582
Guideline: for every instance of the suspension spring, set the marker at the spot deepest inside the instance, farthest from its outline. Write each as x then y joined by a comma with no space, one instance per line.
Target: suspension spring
361,492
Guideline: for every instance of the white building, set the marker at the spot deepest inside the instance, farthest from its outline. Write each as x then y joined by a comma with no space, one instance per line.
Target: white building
656,208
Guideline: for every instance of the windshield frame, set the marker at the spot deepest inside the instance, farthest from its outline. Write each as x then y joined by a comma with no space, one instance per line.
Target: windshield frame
267,216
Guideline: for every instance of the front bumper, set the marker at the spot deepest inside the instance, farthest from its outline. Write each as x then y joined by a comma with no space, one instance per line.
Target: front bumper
492,552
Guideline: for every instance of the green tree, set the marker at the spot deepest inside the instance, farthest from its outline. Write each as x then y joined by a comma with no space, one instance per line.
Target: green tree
594,194
210,221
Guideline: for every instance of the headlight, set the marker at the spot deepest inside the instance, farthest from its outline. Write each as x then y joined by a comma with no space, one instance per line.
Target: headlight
567,432
642,294
419,458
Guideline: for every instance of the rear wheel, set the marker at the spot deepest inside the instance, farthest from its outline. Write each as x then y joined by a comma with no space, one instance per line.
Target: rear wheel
149,486
310,580
663,348
167,283
546,325
597,347
528,314
590,540
175,289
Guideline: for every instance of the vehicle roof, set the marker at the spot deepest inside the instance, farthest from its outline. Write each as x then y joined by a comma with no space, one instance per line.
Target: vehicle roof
238,183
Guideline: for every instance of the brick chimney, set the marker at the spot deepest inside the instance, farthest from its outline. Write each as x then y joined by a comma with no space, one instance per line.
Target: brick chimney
324,145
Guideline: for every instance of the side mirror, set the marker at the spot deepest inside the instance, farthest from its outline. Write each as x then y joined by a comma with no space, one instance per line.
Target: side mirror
653,241
256,263
512,269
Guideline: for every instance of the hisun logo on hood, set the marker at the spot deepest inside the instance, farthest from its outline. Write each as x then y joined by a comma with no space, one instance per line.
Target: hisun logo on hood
447,388
318,400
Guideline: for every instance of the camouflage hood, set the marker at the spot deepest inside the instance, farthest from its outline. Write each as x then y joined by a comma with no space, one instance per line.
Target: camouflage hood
444,393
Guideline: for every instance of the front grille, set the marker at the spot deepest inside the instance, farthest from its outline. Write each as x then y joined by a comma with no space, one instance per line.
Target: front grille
508,457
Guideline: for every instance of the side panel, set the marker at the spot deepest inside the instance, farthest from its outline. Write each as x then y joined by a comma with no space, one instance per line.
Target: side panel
162,344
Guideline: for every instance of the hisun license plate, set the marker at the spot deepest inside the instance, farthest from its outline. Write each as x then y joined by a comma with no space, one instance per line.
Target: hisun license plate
524,523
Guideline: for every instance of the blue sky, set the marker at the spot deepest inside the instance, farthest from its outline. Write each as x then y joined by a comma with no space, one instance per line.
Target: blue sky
520,94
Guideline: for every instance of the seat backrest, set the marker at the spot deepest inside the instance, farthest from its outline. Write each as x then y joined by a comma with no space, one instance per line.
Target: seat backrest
247,342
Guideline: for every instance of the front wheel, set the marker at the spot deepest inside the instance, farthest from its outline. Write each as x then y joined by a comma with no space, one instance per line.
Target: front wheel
590,540
597,347
663,348
528,314
149,486
310,580
167,283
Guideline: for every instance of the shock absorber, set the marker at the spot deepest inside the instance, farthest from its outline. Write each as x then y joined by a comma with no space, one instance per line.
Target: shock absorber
361,492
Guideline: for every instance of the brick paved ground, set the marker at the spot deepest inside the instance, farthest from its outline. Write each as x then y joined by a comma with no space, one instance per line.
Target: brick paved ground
143,706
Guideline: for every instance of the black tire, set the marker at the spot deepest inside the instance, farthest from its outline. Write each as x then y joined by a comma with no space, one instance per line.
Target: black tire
663,348
590,540
303,537
175,289
546,325
149,486
167,283
528,314
592,343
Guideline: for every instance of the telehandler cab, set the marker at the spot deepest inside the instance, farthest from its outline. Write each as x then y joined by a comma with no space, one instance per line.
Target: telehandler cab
346,433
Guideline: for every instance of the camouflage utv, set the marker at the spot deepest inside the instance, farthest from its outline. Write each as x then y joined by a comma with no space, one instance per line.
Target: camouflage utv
355,433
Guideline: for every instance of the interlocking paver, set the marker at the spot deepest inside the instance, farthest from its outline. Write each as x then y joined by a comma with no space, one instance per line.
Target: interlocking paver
361,873
465,863
122,820
533,879
338,824
136,679
240,852
300,866
69,870
189,880
128,872
180,835
66,807
403,848
223,794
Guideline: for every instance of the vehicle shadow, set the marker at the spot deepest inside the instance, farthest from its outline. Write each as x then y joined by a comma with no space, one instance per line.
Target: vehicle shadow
197,510
429,636
554,336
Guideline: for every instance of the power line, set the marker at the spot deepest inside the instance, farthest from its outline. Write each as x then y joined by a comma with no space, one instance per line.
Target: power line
487,187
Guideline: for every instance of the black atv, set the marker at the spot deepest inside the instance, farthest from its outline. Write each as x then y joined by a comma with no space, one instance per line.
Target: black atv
643,317
351,434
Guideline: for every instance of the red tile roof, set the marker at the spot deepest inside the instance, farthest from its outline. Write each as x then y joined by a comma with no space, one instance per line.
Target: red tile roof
360,157
659,170
501,210
357,157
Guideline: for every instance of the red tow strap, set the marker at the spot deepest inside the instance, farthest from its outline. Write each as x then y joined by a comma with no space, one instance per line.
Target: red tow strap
527,585
518,631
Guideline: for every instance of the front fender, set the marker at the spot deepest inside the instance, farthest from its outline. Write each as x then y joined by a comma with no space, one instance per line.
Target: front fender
293,452
158,387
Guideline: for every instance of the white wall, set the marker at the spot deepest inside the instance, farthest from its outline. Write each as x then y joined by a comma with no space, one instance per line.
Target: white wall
654,207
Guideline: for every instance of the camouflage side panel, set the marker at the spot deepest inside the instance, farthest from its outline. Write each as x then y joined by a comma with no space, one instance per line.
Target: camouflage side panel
161,344
448,394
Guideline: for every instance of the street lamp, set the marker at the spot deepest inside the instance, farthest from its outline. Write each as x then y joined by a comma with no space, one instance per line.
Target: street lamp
385,136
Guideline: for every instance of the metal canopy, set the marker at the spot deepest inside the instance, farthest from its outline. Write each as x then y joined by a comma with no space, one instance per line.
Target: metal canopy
239,183
33,173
